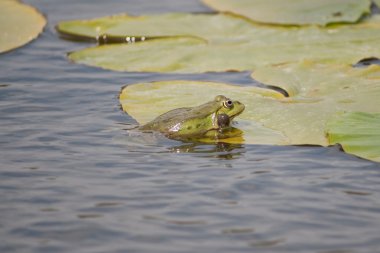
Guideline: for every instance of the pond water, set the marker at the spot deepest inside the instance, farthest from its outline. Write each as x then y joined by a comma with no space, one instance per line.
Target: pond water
73,179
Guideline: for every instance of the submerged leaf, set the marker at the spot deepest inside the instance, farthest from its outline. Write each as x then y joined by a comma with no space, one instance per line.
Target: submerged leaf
269,117
250,47
19,24
295,12
357,132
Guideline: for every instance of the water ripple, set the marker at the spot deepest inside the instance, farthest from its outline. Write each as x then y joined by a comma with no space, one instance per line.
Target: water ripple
75,177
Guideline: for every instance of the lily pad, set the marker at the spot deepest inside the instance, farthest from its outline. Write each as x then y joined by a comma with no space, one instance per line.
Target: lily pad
19,24
210,27
241,49
163,96
357,132
317,93
295,12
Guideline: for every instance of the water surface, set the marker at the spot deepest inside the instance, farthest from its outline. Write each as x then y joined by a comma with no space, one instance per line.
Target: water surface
73,179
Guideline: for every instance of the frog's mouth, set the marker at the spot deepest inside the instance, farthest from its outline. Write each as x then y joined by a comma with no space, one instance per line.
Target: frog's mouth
237,114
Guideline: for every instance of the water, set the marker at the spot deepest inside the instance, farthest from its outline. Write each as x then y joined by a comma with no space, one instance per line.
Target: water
72,179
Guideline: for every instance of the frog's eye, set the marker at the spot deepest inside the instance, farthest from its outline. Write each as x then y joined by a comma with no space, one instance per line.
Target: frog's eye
228,103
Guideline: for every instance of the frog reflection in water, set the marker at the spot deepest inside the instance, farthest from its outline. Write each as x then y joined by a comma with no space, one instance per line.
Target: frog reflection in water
210,120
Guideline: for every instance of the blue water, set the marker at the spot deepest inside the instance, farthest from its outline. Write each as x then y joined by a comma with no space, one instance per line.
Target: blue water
73,179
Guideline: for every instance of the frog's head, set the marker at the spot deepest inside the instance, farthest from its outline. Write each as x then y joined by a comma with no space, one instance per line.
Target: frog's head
228,109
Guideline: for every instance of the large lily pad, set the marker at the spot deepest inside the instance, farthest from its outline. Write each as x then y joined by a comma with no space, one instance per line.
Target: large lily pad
203,26
245,48
163,96
19,24
299,119
317,92
357,132
295,12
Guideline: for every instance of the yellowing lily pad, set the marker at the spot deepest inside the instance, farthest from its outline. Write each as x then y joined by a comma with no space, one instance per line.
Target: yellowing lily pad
246,48
203,26
318,91
19,24
295,12
357,132
269,117
161,97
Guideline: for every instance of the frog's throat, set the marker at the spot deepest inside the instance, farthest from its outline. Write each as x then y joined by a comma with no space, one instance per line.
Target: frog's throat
214,119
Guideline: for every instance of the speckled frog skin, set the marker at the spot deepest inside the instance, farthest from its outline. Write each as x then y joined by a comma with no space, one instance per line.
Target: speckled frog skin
207,120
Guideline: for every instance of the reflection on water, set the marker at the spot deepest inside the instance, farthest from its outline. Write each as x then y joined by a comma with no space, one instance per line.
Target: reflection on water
220,150
76,177
134,139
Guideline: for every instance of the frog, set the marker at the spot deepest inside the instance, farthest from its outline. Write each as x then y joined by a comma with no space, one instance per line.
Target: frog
209,120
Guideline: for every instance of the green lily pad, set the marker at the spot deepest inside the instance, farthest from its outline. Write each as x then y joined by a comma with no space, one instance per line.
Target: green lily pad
202,26
246,48
357,132
163,96
269,117
318,91
19,24
295,12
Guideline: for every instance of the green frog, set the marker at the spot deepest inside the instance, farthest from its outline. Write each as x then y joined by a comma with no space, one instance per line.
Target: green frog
209,120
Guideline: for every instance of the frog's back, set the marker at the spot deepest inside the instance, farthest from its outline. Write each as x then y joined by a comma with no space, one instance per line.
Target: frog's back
183,122
168,120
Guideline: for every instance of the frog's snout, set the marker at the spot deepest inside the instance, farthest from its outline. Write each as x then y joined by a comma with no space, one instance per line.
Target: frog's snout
240,104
